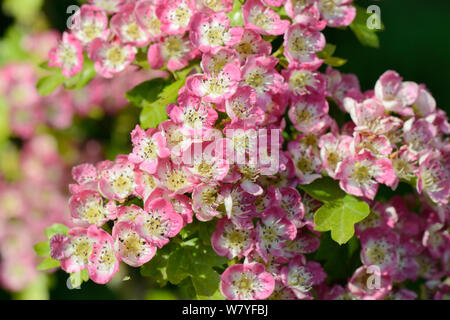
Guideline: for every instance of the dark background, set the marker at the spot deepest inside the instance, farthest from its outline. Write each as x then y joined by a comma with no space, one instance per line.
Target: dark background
415,43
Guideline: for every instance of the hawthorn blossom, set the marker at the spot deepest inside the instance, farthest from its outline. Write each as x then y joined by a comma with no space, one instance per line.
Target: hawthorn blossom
300,276
359,175
130,246
87,207
262,19
68,55
160,222
247,282
301,45
148,147
395,94
433,178
117,179
125,26
110,57
175,16
231,241
211,31
215,88
337,13
90,23
175,51
272,232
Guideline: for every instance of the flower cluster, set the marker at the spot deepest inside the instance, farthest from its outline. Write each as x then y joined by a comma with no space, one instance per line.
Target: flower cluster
114,33
28,204
400,240
28,110
221,155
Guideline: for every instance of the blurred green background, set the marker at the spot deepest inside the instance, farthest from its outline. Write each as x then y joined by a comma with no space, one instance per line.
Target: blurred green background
415,43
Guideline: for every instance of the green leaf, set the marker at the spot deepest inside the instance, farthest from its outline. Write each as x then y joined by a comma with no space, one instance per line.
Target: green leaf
336,259
335,61
48,263
4,120
56,228
47,84
235,16
325,189
366,36
156,268
77,278
81,79
154,106
339,216
327,51
327,55
42,249
146,92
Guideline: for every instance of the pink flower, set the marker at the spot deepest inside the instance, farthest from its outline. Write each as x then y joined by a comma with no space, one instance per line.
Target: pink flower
215,88
206,199
145,183
175,16
262,19
68,55
208,6
290,201
364,284
174,177
337,13
148,147
395,94
126,27
75,251
111,57
418,135
147,19
181,204
251,43
193,116
104,261
341,86
272,232
89,24
244,105
361,174
173,50
231,241
159,223
425,104
304,243
307,162
301,276
333,150
294,8
433,178
214,61
212,31
109,6
379,249
84,173
301,45
87,208
246,282
260,74
369,116
206,162
117,179
303,81
130,246
309,114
